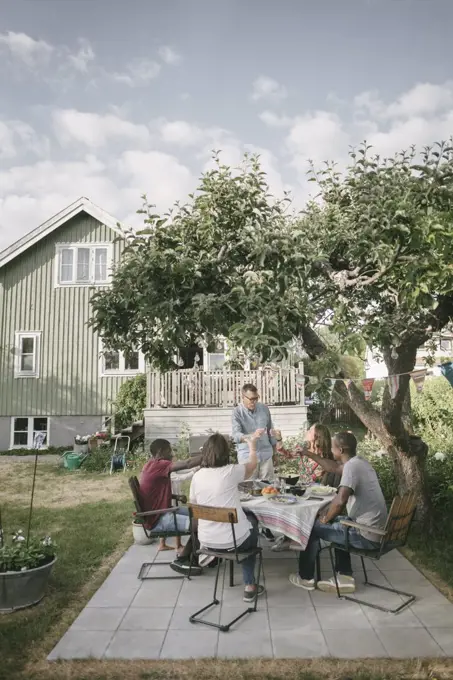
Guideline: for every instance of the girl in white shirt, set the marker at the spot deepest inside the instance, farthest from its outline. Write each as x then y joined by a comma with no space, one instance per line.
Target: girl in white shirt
216,484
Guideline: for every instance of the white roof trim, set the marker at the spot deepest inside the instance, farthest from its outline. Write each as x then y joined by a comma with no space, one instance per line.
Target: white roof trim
81,205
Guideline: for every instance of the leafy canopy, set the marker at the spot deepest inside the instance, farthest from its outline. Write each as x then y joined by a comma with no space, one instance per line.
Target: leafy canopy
373,255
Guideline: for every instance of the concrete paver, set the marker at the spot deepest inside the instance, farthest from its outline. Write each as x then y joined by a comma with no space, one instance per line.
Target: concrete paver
130,619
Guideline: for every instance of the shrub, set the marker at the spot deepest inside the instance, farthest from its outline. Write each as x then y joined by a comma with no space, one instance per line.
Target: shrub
181,449
130,401
98,460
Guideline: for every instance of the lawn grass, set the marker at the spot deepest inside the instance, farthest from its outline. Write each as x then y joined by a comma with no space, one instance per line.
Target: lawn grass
89,517
90,536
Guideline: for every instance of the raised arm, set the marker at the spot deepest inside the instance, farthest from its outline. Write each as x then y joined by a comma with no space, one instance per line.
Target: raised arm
237,432
252,462
326,464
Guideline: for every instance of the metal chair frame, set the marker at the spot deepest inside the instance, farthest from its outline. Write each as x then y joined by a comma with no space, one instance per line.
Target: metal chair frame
223,515
394,536
150,533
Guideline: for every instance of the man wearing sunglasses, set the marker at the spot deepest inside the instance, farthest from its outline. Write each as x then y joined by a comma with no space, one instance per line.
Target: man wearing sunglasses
248,418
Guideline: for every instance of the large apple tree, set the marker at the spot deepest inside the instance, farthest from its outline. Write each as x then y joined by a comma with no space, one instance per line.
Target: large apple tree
372,256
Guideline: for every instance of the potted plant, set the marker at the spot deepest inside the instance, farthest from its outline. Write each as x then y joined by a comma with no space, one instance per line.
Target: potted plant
25,566
140,537
25,561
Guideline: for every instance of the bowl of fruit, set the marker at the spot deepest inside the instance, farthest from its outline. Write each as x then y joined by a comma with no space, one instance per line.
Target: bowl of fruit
269,491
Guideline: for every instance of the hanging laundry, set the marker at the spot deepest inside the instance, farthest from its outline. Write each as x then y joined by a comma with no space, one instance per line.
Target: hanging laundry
367,384
419,378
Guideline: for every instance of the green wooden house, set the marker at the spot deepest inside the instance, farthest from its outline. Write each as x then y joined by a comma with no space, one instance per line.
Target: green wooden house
53,377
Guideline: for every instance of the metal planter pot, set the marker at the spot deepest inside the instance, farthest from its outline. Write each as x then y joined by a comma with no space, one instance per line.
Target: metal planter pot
20,589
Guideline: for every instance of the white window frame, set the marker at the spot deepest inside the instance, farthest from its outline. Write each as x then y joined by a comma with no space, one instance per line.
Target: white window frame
30,433
121,371
18,337
91,281
209,355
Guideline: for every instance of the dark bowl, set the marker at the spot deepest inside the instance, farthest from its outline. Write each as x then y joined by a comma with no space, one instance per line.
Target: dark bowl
291,480
296,490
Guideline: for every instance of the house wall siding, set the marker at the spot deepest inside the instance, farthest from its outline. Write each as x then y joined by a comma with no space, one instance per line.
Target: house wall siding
69,382
167,423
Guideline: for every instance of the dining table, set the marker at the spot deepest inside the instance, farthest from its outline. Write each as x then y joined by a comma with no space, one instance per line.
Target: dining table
295,519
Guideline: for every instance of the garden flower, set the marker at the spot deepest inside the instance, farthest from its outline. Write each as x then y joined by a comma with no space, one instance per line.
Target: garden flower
47,540
18,537
439,456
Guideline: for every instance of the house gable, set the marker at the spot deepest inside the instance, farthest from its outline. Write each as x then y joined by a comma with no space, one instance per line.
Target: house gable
82,205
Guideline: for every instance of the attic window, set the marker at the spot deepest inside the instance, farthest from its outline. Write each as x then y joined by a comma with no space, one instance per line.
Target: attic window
84,264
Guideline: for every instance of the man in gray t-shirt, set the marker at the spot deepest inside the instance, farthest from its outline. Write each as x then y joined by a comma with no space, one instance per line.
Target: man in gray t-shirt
361,495
366,505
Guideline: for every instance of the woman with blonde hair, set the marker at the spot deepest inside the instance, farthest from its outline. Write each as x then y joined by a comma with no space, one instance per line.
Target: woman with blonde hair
319,442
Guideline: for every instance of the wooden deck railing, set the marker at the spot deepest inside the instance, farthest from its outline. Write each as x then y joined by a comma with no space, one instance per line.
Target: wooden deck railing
189,388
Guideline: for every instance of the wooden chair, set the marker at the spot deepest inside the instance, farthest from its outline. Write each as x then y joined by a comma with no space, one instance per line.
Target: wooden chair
224,515
394,535
146,566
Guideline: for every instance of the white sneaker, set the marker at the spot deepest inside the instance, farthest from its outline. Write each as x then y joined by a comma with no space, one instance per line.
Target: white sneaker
204,560
346,585
296,580
281,544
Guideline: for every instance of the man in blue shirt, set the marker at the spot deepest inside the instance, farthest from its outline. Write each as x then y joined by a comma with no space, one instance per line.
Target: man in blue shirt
249,417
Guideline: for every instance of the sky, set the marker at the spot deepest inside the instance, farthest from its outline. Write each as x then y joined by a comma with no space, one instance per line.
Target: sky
111,99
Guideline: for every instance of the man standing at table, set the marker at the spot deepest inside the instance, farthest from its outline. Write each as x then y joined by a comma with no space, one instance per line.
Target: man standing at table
249,417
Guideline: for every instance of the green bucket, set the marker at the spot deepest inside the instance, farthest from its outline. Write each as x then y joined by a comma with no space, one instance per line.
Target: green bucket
72,461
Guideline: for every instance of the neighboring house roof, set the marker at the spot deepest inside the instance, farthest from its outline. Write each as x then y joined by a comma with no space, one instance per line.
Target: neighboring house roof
81,205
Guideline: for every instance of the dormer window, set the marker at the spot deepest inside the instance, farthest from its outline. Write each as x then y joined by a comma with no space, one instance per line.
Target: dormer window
86,264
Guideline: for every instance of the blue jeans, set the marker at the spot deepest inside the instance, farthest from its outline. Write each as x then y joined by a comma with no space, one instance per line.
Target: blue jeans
166,522
332,533
248,565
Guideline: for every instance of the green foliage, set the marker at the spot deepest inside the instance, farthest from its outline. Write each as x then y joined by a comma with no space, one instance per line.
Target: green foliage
374,253
51,451
130,402
368,447
98,460
432,411
386,473
181,449
16,555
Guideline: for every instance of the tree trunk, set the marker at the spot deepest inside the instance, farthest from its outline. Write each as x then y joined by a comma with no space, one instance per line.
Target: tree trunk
393,425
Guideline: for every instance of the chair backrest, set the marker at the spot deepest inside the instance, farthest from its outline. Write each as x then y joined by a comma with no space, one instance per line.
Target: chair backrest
213,514
135,488
400,517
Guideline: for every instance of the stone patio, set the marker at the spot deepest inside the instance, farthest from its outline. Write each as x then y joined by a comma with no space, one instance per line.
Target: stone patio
130,619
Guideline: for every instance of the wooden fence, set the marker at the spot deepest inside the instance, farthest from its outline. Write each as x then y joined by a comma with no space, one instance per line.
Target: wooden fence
193,388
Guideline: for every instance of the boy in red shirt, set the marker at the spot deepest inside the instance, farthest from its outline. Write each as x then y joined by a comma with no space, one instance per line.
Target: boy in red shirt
155,489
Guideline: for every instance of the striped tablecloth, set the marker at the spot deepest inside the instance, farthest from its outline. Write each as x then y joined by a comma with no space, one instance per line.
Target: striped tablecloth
295,521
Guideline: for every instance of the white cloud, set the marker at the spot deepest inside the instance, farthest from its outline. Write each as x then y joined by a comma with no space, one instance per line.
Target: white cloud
424,99
29,51
272,119
160,175
51,63
17,137
268,88
95,130
316,136
181,132
85,54
169,55
138,73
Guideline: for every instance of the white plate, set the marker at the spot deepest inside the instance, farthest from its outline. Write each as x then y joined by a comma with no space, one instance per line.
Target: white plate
284,500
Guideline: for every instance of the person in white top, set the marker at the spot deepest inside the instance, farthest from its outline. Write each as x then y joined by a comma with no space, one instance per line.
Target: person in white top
216,484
